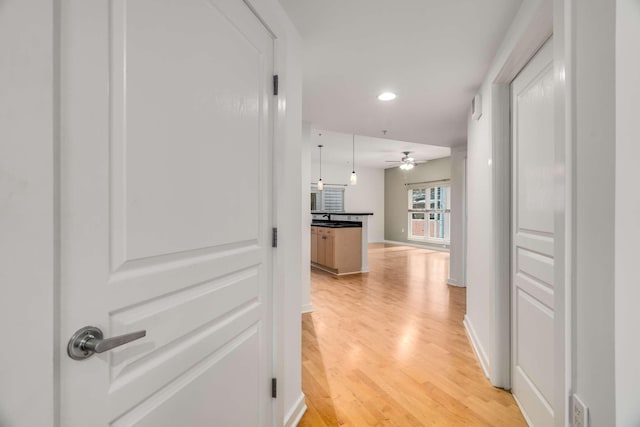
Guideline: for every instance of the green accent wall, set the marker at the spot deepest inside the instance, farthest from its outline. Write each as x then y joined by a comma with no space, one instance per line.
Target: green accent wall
396,198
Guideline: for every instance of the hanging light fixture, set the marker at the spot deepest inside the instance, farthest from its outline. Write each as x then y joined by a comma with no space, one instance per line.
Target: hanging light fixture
354,178
406,166
407,163
320,183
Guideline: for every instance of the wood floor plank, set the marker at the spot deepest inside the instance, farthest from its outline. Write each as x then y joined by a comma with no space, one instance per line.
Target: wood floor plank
388,348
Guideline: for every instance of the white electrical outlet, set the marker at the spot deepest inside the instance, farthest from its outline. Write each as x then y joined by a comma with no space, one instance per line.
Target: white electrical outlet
402,230
580,413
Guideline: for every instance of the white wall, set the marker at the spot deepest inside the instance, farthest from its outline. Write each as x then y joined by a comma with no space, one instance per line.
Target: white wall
366,196
528,31
456,244
480,228
28,143
627,292
594,231
305,284
592,125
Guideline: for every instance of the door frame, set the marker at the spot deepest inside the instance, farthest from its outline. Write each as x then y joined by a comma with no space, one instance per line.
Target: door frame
550,17
28,212
30,187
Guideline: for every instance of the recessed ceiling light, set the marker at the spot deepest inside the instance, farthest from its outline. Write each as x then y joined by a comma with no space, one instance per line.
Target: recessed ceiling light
387,96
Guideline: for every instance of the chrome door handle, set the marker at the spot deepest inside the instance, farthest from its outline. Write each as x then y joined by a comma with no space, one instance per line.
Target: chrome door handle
89,340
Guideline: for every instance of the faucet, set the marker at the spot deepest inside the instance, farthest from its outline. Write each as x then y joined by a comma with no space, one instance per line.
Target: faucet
328,216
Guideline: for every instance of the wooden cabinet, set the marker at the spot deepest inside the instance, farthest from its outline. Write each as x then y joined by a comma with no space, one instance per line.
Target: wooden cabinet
325,247
314,244
329,251
338,250
321,246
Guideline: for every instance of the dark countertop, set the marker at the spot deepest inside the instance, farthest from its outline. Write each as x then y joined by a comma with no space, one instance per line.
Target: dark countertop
341,213
336,224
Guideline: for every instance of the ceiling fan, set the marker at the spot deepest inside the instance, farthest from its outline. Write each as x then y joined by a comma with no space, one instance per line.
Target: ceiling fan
407,162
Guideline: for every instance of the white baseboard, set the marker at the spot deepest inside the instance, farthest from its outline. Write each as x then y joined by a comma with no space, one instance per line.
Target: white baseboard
320,267
454,282
477,347
418,245
296,412
307,308
524,413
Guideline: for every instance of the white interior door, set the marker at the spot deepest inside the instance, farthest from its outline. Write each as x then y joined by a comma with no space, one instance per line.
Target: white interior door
532,240
166,198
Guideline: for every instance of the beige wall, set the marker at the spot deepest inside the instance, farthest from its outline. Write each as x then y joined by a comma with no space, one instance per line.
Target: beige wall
395,194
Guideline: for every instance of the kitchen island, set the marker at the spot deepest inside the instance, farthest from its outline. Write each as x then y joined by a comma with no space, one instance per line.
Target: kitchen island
339,242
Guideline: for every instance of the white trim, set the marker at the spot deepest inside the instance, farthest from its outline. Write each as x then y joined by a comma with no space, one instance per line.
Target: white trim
296,412
29,226
307,308
522,411
477,347
564,93
455,283
278,347
428,241
427,186
271,14
465,226
415,245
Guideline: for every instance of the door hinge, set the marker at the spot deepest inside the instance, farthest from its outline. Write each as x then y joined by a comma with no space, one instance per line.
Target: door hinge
274,237
275,84
274,388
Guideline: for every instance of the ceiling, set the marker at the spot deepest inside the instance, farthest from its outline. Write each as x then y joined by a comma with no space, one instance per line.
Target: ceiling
370,152
432,53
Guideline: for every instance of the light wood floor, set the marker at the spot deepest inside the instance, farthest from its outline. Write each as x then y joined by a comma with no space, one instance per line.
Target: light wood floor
389,348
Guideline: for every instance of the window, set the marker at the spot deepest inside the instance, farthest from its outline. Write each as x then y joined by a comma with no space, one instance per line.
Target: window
330,199
429,214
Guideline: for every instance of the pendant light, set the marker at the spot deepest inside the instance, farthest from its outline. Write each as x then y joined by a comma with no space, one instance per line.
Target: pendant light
354,178
320,183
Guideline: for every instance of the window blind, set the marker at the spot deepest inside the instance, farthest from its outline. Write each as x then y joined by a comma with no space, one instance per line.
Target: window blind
333,199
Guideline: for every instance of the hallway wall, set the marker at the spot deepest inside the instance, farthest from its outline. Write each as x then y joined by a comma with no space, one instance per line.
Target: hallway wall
485,164
591,80
458,217
305,163
594,234
480,229
627,207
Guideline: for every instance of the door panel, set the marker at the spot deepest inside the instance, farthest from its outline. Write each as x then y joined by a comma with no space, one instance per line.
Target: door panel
322,248
161,231
330,260
314,246
189,400
533,238
173,51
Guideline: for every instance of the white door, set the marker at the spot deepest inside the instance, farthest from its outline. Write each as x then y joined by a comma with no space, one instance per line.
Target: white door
166,212
533,238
